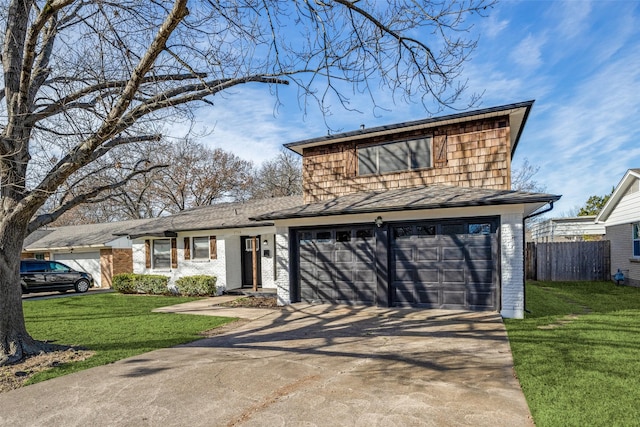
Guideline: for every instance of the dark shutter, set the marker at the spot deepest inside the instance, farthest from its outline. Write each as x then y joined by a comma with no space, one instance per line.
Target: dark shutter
187,248
440,150
174,253
147,253
213,251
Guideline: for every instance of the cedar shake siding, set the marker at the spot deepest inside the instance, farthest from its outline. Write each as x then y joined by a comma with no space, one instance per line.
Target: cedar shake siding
472,154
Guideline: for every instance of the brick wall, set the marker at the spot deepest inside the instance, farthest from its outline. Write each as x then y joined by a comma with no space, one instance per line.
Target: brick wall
106,268
512,266
473,154
112,262
622,253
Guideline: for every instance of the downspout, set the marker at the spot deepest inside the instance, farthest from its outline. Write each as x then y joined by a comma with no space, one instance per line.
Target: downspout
524,246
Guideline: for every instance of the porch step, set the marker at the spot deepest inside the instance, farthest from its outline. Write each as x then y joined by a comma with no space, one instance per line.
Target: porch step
269,292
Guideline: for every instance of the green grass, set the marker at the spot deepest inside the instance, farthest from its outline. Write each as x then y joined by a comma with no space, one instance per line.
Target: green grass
577,354
115,326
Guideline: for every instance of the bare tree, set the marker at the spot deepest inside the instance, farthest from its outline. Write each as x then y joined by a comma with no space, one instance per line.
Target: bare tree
83,79
522,178
199,176
281,176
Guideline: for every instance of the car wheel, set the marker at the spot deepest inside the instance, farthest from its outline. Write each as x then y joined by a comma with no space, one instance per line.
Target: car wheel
82,286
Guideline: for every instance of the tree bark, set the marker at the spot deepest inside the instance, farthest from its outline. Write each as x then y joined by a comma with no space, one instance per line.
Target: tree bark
15,341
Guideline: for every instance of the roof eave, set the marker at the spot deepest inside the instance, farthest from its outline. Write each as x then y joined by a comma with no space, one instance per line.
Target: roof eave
617,194
518,113
541,201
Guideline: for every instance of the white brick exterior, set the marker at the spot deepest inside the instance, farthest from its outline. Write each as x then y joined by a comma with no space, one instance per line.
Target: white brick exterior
227,266
282,265
512,265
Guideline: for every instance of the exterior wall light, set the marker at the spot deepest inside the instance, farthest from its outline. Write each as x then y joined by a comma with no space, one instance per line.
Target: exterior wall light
378,221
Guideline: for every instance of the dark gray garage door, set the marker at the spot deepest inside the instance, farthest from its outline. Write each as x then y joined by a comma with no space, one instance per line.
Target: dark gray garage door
445,265
337,265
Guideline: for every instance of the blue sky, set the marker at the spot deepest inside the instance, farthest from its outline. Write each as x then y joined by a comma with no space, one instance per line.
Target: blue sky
579,60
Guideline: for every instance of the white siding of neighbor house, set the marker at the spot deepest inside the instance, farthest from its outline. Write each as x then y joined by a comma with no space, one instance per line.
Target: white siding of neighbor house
512,265
565,229
227,267
628,208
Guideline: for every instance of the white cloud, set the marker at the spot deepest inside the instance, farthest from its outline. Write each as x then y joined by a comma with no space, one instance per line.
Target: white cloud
492,26
528,53
574,18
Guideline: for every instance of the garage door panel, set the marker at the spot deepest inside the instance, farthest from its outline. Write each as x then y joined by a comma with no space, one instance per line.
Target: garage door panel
401,275
364,276
343,256
454,299
481,300
427,254
427,275
453,276
403,254
450,253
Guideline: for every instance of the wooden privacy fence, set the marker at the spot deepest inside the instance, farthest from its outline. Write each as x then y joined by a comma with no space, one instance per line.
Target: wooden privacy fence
568,261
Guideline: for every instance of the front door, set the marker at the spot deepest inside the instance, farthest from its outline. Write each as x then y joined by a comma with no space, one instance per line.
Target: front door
246,246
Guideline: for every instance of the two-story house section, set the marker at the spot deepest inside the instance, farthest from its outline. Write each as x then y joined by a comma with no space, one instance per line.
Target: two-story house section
415,214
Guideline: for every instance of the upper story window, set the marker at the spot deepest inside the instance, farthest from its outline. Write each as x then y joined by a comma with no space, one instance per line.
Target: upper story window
636,239
162,253
395,157
201,247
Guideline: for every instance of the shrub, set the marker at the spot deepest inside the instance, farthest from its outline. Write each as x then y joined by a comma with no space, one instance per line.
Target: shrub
196,286
129,283
125,283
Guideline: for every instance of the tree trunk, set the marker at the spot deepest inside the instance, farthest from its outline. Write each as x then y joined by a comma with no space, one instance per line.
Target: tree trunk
15,342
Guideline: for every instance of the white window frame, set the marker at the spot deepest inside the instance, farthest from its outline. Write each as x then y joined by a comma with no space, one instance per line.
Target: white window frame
194,253
154,262
635,239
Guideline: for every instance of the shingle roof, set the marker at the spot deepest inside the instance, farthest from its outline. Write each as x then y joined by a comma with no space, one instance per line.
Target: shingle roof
431,197
214,217
78,236
518,112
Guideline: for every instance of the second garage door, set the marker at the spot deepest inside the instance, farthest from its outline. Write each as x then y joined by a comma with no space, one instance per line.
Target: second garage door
445,265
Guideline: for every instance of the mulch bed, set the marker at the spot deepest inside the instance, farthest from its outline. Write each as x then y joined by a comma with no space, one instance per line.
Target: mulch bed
252,302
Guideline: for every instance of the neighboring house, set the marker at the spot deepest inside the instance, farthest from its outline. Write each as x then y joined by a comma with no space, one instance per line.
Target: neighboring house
94,248
416,214
573,229
621,218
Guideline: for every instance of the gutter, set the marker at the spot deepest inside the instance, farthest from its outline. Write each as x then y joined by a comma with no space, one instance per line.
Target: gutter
524,246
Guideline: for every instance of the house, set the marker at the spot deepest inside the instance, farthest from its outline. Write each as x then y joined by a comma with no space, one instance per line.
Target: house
219,240
621,219
570,229
415,214
94,248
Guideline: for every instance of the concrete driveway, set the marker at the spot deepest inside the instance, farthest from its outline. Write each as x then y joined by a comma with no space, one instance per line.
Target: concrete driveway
300,366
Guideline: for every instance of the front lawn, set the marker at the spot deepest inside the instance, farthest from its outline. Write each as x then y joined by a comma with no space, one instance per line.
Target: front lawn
115,326
577,353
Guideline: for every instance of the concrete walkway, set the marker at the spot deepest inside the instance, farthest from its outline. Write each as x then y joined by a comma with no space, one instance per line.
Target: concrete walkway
301,365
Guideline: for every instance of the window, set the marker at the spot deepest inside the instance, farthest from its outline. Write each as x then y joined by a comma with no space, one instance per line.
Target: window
248,244
57,266
636,239
343,236
479,228
201,247
323,237
162,253
395,157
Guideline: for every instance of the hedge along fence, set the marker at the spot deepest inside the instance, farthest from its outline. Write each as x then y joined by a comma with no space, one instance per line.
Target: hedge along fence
153,284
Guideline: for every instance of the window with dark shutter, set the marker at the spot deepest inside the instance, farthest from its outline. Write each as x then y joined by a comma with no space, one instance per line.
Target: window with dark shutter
395,157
